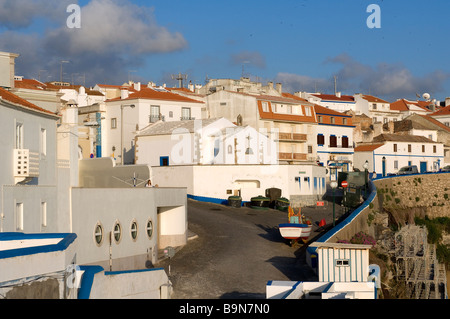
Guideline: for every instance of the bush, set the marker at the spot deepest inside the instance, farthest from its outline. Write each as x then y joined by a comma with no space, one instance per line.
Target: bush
397,200
363,238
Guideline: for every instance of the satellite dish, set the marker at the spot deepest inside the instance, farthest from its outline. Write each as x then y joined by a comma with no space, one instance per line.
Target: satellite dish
426,96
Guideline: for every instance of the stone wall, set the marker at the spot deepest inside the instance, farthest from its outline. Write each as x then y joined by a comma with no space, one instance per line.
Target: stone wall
405,197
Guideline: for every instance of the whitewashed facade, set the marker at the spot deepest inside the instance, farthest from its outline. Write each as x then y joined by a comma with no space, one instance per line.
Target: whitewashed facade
390,152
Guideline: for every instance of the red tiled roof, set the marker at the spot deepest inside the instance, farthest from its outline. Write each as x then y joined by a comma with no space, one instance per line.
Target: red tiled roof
443,111
148,93
373,99
367,148
436,122
323,110
30,84
332,97
8,96
402,105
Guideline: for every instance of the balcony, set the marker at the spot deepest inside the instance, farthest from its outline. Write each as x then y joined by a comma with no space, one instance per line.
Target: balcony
292,157
156,118
292,137
26,165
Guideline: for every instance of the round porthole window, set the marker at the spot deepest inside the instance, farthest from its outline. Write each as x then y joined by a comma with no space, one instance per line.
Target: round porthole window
98,234
134,230
150,228
117,232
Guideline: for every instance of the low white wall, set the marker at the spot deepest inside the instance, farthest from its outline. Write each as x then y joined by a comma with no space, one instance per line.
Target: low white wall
149,284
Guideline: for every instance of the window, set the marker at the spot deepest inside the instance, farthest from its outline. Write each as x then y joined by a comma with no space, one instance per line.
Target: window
307,111
185,113
134,230
395,164
171,114
342,262
310,149
333,141
265,106
154,113
44,214
19,136
19,216
374,106
149,229
345,141
395,147
320,139
274,107
117,232
385,120
344,121
423,148
447,123
409,148
332,120
98,234
289,109
320,119
164,161
374,119
230,149
113,123
434,148
43,141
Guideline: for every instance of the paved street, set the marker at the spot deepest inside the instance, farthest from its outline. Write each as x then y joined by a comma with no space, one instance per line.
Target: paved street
234,252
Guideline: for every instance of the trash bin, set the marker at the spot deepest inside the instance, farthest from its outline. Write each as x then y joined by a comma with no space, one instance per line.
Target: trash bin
235,201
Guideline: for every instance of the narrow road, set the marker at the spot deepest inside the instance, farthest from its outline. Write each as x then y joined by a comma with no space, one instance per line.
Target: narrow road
235,252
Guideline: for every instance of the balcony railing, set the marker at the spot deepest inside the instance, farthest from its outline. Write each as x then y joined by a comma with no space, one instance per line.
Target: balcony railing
186,118
293,137
26,164
293,156
155,118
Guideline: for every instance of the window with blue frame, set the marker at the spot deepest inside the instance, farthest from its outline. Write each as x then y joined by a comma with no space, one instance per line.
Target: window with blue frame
164,161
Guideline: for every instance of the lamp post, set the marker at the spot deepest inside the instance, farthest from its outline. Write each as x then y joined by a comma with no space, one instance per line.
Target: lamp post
122,106
333,185
366,166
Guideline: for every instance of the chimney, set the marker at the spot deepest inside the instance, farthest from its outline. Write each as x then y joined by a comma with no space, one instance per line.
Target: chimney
270,85
137,86
7,65
338,94
191,86
447,101
279,88
124,93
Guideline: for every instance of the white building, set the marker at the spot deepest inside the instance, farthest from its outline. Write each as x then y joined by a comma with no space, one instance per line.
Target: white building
343,271
334,140
131,112
443,115
390,152
377,109
209,141
336,102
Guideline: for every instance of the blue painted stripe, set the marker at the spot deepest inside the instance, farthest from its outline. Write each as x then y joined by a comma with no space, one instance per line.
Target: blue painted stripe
87,280
209,199
66,240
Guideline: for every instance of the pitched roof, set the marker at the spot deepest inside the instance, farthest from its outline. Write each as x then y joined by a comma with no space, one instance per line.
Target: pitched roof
323,110
443,111
8,96
151,94
166,128
333,97
367,148
401,138
373,99
403,105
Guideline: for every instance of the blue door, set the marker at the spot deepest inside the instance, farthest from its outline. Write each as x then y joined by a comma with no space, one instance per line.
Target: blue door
423,167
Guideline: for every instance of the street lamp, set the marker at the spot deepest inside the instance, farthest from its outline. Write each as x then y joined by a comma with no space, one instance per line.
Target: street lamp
366,173
333,185
122,106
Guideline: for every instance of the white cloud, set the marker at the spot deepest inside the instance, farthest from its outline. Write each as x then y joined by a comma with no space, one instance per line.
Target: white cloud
389,81
252,57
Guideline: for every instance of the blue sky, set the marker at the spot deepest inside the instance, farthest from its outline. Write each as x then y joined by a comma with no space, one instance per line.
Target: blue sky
300,43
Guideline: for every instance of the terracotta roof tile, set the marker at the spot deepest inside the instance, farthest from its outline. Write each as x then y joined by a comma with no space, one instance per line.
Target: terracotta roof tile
374,99
148,93
332,97
443,111
367,148
6,95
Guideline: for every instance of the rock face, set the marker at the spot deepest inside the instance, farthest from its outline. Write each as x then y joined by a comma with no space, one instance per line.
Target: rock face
405,197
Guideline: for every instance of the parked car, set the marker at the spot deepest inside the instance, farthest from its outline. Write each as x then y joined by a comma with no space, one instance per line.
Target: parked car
445,168
412,169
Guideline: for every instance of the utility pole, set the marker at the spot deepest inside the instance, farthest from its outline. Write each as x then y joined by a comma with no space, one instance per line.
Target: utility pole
335,85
